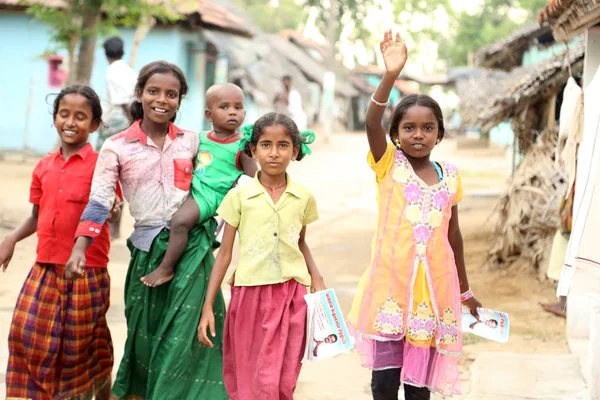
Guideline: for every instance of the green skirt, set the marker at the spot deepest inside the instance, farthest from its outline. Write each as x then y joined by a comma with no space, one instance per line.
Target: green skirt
163,358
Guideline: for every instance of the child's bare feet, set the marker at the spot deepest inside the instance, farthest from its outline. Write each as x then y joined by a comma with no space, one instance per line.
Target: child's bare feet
162,274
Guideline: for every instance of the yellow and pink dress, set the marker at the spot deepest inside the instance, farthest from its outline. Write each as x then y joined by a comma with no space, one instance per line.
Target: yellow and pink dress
407,311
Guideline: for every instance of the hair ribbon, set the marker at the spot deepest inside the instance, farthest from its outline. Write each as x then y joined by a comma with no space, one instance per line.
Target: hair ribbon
246,136
308,137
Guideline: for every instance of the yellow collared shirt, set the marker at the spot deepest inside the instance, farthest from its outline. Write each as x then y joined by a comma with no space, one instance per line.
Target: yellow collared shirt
269,232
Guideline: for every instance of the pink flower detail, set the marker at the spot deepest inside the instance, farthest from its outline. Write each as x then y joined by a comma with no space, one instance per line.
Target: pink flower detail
422,233
453,330
400,155
412,192
382,317
395,320
416,324
429,326
441,199
444,329
451,167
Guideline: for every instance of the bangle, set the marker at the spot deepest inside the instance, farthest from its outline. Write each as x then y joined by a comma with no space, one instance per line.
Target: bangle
466,295
378,103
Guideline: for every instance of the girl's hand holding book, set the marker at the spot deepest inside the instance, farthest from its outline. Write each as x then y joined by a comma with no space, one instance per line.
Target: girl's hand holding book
317,283
473,304
394,53
207,321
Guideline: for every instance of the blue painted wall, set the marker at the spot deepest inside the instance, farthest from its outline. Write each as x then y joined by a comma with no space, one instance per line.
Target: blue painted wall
25,111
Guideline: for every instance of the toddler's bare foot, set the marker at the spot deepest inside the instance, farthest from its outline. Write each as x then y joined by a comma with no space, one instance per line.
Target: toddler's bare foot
160,275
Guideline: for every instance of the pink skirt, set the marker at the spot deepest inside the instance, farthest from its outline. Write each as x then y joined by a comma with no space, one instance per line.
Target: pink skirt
265,331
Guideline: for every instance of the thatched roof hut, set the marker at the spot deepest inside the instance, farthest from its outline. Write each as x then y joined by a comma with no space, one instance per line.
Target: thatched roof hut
569,18
499,97
507,53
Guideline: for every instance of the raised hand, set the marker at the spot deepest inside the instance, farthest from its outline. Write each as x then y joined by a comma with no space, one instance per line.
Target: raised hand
394,52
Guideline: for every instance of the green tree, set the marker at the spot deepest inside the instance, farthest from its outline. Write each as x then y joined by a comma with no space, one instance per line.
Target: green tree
485,22
76,26
273,18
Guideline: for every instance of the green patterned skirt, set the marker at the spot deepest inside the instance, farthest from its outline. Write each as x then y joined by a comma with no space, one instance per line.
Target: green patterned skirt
163,358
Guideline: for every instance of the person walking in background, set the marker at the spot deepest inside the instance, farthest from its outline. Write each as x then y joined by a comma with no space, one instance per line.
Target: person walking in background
289,102
59,343
265,327
407,310
120,84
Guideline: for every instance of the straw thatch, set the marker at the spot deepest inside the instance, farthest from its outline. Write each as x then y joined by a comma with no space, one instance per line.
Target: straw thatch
529,210
507,53
500,97
569,18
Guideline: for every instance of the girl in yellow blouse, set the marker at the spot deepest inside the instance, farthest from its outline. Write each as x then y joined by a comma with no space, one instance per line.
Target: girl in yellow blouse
406,313
266,320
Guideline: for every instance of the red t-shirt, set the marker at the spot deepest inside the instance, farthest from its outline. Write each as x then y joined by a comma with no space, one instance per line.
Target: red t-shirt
62,189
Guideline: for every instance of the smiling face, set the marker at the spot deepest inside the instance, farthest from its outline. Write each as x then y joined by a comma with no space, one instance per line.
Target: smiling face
274,150
225,107
74,120
331,339
418,131
160,97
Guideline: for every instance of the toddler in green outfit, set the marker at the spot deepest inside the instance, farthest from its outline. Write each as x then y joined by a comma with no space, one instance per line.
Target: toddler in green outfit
219,164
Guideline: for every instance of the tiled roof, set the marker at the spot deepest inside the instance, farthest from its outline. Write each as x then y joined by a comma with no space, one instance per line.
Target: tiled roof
211,14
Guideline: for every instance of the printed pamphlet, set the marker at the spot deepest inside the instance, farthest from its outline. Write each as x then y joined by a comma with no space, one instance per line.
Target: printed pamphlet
492,325
326,331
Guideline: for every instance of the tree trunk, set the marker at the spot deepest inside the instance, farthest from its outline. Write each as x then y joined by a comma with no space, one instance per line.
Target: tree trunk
142,30
73,42
87,46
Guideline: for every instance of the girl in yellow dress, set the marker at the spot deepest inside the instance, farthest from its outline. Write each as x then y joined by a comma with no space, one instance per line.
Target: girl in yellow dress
406,315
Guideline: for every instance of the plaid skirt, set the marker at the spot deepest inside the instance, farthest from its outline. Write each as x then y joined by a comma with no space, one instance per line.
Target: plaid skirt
59,343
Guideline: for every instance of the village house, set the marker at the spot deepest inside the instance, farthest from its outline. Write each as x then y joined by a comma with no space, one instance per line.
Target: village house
35,71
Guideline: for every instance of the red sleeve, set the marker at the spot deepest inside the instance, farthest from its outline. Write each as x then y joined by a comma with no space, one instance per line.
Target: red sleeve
35,191
88,229
238,161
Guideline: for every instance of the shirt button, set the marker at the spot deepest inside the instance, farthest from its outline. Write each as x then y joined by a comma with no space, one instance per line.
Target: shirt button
62,171
275,234
97,230
60,190
91,229
187,170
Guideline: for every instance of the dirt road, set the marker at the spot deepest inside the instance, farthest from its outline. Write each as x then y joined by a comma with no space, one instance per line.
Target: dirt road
340,241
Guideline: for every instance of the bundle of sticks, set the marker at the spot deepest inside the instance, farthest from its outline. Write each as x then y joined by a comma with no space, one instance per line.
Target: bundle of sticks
529,210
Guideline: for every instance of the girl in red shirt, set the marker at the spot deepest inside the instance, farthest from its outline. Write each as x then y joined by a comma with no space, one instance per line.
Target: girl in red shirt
59,343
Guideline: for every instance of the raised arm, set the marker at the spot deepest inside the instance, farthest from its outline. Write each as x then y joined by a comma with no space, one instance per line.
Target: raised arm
394,55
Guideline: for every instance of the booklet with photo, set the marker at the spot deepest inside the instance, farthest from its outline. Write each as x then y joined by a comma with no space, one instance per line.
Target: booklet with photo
326,331
492,325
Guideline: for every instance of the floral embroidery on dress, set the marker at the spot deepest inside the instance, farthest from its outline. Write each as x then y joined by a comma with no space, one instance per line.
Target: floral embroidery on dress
441,199
257,251
389,318
435,218
412,192
421,325
293,234
422,233
413,214
448,327
452,184
401,174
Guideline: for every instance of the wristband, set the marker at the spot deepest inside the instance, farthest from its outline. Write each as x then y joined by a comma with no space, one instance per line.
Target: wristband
378,103
466,295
